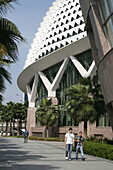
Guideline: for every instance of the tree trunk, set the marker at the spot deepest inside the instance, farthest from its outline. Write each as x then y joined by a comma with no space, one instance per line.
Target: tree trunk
10,128
13,127
2,126
18,124
47,132
6,128
25,123
85,129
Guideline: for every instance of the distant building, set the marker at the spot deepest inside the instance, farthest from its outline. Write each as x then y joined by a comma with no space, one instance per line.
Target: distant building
12,127
59,55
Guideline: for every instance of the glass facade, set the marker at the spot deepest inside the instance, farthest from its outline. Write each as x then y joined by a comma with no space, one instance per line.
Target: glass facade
103,120
70,77
106,12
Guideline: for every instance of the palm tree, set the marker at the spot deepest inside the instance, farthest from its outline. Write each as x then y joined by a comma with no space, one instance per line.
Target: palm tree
80,104
10,37
47,114
85,101
96,91
4,74
5,117
20,114
25,108
1,116
10,111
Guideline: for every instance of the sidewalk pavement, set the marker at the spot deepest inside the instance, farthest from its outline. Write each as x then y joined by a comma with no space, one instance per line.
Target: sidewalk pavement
38,155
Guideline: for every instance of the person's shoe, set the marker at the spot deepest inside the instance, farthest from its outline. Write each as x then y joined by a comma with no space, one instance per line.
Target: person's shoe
69,159
66,158
76,158
83,159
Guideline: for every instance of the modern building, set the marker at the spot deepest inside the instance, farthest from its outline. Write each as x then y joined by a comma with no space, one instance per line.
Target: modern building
59,55
98,15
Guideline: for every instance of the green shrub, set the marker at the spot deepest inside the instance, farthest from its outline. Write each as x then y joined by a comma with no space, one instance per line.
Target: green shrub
20,136
98,149
99,140
45,139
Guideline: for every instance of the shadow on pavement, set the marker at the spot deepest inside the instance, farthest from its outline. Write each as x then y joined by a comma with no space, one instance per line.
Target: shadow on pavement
11,157
29,167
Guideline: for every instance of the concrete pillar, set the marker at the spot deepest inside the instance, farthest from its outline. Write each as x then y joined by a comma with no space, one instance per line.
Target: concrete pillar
31,119
31,92
90,126
54,101
81,127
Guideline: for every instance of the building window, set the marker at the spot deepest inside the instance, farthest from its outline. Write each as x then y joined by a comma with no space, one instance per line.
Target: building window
106,13
103,120
111,5
104,9
109,31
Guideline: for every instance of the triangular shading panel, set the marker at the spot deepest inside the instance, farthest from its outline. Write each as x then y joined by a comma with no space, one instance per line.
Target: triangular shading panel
60,31
51,50
63,37
65,29
67,43
61,45
77,16
75,25
74,33
68,35
70,27
56,47
55,33
67,21
79,31
81,22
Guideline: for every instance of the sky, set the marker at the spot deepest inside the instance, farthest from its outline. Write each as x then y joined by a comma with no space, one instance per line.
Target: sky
27,15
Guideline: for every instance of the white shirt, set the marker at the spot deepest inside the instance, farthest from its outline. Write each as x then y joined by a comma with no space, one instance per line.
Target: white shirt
69,137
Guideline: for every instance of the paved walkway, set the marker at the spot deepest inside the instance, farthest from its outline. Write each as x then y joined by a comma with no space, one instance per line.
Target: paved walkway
37,155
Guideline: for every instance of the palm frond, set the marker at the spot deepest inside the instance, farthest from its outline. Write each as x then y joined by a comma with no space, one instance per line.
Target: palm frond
6,5
1,98
4,74
9,38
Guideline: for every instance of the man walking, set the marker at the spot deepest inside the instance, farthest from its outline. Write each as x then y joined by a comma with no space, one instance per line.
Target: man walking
80,145
26,134
69,143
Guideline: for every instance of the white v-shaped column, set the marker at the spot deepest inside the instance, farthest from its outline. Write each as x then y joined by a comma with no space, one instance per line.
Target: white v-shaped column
59,75
47,84
31,93
51,88
83,72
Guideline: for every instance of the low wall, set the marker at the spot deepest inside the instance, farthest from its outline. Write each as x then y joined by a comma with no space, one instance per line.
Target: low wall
60,132
92,130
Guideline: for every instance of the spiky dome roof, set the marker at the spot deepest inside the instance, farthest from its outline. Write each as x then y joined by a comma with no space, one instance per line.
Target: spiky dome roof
62,25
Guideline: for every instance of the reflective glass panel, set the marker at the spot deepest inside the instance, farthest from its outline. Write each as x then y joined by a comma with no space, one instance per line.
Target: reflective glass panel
111,5
109,31
104,10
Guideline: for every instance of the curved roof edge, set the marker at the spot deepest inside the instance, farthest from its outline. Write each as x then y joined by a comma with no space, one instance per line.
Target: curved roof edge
28,73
